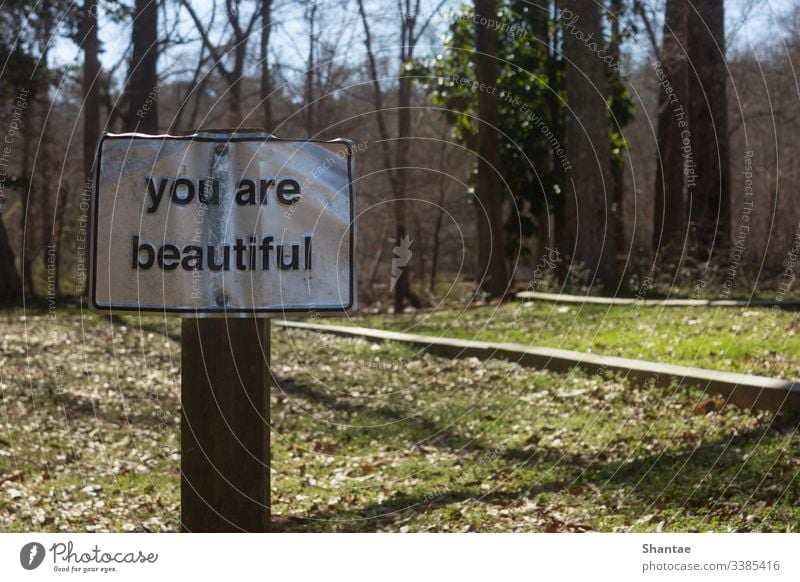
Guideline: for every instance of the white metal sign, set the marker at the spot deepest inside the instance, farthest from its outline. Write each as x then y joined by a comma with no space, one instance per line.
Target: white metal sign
222,223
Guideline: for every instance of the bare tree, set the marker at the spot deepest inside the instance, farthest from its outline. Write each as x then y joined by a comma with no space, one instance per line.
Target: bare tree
233,73
410,32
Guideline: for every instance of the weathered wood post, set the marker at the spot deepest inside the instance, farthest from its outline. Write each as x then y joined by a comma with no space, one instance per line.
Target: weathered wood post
225,426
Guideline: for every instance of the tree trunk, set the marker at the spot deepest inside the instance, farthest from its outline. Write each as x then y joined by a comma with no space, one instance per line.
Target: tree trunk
42,183
40,211
91,97
669,208
310,72
402,290
542,240
10,284
402,285
564,231
616,14
709,197
235,93
376,263
589,189
26,214
143,82
58,233
27,222
494,277
437,229
266,79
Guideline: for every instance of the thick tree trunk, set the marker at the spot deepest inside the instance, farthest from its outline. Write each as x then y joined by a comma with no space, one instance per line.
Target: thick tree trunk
143,82
58,234
26,215
42,183
589,188
10,284
616,14
709,197
494,277
542,221
563,231
669,208
39,212
91,98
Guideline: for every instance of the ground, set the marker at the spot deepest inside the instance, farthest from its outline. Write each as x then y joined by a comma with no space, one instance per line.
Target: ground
371,437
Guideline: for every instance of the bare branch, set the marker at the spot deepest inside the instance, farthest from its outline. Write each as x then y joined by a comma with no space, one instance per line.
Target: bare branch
378,94
430,17
638,9
206,40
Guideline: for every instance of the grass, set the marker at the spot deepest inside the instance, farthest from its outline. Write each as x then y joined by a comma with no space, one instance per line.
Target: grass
370,437
89,438
748,340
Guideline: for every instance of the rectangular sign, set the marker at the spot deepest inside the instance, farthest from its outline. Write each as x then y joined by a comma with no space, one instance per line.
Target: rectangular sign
222,223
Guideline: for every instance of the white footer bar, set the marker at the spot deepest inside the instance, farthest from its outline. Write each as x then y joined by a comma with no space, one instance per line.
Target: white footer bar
388,557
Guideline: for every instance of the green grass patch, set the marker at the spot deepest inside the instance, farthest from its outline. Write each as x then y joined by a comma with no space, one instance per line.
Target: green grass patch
748,340
403,441
378,437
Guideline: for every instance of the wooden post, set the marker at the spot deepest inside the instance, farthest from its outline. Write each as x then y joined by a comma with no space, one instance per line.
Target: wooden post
225,380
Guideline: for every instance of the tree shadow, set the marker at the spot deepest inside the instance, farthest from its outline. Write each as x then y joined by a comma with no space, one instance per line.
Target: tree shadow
712,479
141,411
391,420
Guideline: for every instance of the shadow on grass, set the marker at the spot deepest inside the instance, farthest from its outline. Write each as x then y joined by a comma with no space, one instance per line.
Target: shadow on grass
719,478
137,409
392,420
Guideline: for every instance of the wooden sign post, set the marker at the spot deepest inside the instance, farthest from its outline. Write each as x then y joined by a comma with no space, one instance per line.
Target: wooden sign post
225,229
225,381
